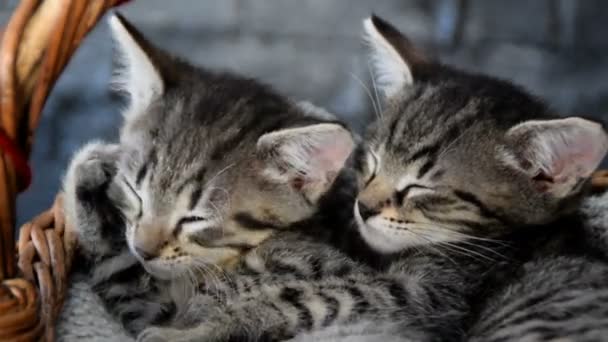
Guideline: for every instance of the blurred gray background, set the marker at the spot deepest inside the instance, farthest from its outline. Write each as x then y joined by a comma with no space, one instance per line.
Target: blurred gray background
311,49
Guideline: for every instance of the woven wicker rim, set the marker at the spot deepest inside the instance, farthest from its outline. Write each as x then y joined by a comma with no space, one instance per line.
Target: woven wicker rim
36,44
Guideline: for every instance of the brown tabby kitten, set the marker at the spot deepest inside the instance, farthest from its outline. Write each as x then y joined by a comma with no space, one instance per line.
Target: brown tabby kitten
212,180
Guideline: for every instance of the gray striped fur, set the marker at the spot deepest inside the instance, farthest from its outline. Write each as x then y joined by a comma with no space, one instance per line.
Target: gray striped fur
467,164
444,263
198,199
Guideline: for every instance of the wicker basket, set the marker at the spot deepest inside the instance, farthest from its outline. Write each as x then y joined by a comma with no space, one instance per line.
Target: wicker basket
36,45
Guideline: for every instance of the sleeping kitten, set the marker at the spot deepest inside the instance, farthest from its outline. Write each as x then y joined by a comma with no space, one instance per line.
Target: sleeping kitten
211,176
462,181
460,159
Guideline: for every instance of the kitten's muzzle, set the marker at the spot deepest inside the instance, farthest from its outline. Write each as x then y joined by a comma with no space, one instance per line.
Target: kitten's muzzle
149,240
145,255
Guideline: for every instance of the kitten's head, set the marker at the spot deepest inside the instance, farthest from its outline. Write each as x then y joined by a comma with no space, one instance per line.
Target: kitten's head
456,154
213,164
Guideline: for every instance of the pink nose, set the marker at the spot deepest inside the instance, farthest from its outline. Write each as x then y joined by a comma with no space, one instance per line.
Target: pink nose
149,240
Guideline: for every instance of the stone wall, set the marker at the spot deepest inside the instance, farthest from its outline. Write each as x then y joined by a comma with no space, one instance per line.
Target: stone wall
312,49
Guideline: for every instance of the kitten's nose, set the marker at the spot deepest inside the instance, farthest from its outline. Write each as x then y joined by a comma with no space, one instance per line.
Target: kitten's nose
365,211
146,255
149,240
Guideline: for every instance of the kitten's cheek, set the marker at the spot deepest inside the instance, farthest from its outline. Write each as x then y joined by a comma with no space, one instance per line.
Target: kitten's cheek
375,239
380,237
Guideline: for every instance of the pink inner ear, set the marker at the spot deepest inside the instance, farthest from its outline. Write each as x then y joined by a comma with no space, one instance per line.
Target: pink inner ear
306,158
329,159
575,156
565,150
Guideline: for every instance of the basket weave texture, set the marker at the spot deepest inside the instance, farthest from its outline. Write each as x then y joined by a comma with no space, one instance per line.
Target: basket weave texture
35,47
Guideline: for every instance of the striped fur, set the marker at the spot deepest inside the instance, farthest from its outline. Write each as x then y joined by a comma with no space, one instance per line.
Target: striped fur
273,287
465,229
556,298
462,224
413,298
199,198
448,220
451,171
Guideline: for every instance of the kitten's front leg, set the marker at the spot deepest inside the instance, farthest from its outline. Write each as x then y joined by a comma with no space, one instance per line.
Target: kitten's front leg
234,324
281,311
89,210
278,312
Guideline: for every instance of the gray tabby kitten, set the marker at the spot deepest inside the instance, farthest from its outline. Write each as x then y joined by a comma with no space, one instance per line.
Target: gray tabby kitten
458,159
463,180
202,196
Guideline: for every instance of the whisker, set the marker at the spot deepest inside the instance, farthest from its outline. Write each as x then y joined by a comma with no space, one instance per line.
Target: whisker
218,174
451,230
374,86
369,94
222,284
453,246
432,246
453,142
220,215
456,250
226,193
215,278
208,279
466,251
228,279
487,249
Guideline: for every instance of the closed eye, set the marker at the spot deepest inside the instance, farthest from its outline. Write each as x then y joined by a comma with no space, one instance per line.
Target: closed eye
373,165
187,220
410,191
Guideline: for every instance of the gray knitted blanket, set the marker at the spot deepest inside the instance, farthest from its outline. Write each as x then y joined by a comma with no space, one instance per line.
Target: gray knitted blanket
84,318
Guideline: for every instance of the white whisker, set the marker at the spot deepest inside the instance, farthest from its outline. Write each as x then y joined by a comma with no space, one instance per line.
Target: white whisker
453,142
218,174
369,94
219,214
432,247
374,86
466,251
450,230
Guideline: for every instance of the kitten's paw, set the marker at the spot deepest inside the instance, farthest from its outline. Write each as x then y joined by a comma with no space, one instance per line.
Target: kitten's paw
85,197
92,167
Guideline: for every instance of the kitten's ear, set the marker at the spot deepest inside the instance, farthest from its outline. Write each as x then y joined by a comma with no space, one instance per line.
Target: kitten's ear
306,158
557,154
394,59
137,75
